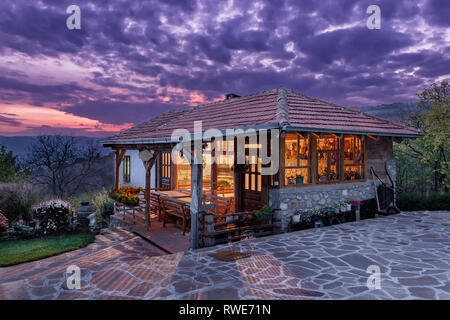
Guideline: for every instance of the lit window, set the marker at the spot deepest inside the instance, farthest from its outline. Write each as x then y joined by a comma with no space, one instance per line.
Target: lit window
353,158
297,159
126,169
327,158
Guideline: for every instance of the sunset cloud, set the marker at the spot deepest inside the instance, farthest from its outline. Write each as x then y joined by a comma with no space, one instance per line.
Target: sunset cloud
132,60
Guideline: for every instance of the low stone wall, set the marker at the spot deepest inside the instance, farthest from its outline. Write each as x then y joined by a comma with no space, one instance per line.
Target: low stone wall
291,200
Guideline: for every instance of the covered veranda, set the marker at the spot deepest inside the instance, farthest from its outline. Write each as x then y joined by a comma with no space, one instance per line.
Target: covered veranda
183,188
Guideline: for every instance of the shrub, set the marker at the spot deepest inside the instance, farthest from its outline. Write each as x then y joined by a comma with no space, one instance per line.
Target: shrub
103,206
414,202
16,201
53,216
3,223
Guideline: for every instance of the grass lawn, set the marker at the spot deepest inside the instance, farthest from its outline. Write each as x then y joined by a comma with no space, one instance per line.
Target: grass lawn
15,252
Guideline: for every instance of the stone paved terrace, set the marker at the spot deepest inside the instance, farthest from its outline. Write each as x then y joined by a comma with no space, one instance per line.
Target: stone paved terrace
411,248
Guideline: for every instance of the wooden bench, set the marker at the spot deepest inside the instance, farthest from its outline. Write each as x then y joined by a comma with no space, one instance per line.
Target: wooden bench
222,205
173,209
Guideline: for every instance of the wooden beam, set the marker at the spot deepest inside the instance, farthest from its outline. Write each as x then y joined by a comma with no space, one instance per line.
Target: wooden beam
282,148
300,135
237,178
315,134
372,137
148,160
341,167
196,202
313,158
120,154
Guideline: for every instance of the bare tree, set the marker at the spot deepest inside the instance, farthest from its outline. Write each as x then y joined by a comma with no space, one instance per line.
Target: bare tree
63,164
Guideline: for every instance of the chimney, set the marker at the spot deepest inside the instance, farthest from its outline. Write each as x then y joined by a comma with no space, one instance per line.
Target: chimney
229,96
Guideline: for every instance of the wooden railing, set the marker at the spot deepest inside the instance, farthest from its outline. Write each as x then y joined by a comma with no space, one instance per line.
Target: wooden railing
236,226
135,215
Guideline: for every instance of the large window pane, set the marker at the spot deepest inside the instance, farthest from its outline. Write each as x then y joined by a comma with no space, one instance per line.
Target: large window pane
353,158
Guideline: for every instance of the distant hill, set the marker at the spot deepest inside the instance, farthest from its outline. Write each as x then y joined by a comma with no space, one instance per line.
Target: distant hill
21,145
398,111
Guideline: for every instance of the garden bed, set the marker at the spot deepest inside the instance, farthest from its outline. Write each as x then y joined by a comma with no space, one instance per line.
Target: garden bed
15,252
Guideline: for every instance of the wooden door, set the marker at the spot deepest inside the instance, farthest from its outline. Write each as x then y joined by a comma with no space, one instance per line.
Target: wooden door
165,170
251,184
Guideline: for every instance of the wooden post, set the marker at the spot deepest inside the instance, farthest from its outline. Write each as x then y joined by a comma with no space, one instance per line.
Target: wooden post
214,167
120,154
282,169
148,158
196,202
341,168
209,230
237,179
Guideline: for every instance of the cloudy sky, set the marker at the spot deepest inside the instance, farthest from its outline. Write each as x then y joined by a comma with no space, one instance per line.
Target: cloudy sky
135,59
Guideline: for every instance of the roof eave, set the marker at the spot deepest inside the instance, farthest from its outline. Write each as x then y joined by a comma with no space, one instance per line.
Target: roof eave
193,136
386,134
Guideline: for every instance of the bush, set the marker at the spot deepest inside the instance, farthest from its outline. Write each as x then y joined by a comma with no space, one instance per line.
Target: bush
103,206
414,202
53,216
3,223
16,201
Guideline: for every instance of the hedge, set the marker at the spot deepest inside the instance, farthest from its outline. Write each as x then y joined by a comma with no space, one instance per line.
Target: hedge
415,202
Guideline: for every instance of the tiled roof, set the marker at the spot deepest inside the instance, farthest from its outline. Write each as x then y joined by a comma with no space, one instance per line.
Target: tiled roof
276,108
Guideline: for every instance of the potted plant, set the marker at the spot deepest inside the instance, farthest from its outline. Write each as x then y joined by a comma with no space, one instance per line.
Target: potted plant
295,219
291,180
265,213
356,205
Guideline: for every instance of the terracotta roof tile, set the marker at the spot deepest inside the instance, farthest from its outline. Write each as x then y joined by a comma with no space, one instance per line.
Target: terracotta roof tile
277,108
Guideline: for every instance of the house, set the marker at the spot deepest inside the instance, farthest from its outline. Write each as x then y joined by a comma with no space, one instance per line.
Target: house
320,153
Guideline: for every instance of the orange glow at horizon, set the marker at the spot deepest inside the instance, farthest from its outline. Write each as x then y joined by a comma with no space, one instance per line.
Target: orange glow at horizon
35,117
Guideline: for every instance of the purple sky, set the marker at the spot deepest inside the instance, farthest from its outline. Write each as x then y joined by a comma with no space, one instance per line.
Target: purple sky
134,59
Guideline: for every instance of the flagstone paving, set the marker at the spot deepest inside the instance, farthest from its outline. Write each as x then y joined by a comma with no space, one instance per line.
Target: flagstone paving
412,250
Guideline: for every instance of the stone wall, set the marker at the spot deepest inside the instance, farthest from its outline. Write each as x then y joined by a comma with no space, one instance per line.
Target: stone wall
291,200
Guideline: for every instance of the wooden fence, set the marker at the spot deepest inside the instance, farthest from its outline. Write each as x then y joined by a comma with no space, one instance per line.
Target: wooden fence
223,228
135,215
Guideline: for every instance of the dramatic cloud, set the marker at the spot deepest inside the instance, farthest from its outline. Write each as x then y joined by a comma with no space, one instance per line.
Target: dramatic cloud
132,60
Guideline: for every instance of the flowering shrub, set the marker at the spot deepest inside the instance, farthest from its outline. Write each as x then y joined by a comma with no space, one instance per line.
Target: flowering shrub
53,215
3,223
126,195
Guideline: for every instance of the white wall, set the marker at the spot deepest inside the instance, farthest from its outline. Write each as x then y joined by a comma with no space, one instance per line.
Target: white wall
137,171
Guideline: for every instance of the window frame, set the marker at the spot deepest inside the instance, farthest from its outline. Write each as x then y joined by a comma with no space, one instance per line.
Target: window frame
298,166
126,169
355,164
313,160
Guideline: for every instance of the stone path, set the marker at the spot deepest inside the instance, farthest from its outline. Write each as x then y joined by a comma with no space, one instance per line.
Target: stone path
412,250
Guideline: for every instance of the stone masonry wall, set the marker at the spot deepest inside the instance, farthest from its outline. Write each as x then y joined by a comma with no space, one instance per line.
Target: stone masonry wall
291,200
